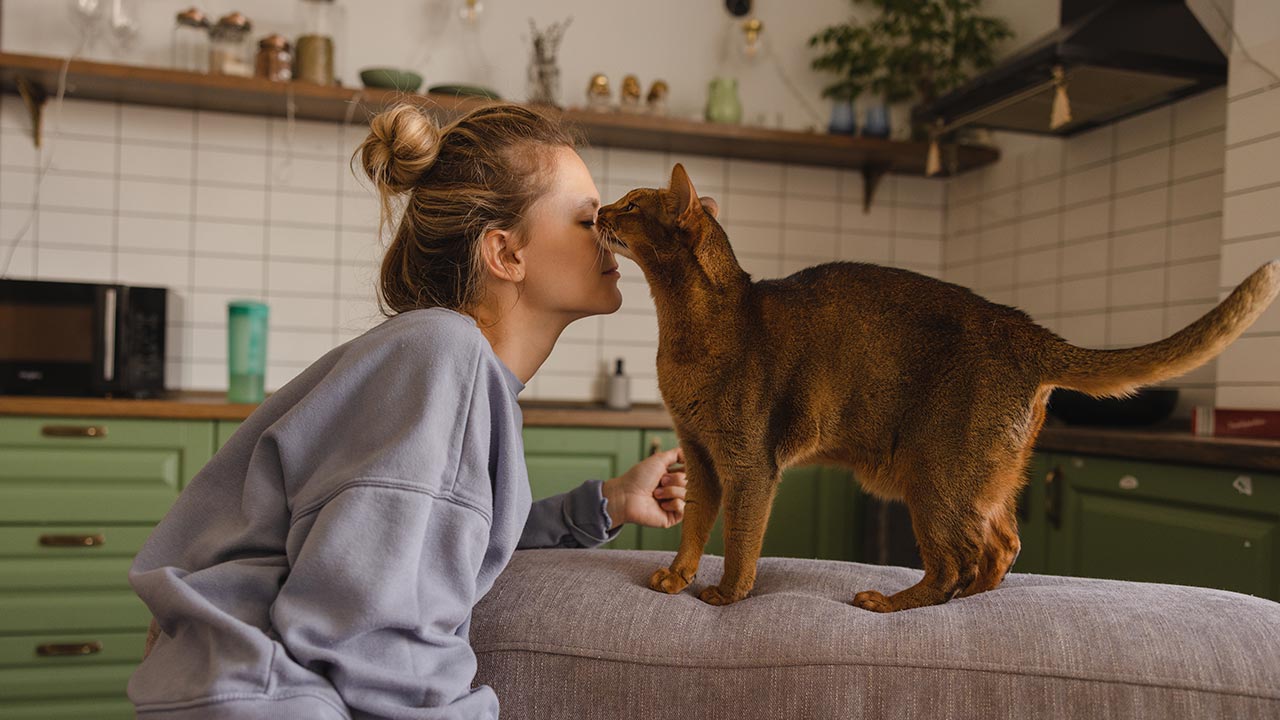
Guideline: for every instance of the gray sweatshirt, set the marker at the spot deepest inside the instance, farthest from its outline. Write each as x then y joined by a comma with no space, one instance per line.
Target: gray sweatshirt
325,562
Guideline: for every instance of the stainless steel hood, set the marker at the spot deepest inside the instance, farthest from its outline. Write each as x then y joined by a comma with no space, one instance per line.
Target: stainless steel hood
1118,58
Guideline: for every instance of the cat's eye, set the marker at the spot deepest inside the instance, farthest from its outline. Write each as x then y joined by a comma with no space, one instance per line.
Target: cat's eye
629,207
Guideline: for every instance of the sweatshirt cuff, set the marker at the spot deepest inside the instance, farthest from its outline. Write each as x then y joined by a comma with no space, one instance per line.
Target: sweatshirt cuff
587,517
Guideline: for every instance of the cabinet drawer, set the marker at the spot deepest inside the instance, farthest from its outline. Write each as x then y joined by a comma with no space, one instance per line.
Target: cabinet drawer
95,469
112,708
62,557
36,651
30,613
64,682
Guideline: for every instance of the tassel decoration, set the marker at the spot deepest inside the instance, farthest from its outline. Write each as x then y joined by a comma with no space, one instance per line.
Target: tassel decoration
1061,114
933,160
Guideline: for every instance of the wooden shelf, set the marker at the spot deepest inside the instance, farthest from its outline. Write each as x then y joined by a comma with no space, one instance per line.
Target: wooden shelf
170,88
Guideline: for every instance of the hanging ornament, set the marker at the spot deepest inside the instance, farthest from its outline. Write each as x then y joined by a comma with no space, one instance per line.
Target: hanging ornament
470,11
1061,113
751,30
933,159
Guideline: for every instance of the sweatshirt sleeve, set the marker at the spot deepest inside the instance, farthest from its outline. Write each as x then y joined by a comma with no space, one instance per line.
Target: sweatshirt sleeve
379,598
576,519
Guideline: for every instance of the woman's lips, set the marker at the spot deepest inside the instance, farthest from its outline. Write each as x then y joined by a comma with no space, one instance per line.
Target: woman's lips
612,272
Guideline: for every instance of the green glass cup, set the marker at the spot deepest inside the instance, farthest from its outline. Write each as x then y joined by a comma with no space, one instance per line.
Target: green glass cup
246,351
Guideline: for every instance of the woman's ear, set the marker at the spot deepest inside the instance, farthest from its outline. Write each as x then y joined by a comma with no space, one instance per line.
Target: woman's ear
501,257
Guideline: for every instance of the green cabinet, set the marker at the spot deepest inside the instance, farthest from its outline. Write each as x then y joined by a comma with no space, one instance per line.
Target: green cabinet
561,459
78,496
813,514
1153,522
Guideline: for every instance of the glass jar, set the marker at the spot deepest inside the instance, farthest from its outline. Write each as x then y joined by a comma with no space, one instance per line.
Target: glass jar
189,46
323,23
275,59
229,46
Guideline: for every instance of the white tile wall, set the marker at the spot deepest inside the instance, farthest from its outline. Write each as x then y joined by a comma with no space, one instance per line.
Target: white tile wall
1248,373
1111,238
219,207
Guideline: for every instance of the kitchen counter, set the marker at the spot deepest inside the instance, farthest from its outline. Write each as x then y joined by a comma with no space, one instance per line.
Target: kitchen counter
208,405
1165,444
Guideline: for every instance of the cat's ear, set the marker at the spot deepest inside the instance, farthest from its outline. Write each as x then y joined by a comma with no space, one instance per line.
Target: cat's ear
710,205
687,201
682,188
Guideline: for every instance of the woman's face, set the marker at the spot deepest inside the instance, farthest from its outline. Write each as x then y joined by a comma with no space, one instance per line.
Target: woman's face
568,272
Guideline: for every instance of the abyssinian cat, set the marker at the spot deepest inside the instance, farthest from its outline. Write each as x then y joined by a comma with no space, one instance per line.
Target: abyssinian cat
931,394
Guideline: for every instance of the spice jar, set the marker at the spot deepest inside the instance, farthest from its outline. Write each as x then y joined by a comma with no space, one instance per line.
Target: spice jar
229,47
189,45
275,59
322,21
598,93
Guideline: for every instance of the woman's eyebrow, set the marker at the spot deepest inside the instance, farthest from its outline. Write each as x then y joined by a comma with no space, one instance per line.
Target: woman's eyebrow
589,204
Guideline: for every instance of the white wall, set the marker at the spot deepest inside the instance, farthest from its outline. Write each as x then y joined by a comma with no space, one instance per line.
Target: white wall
1249,371
218,206
1110,238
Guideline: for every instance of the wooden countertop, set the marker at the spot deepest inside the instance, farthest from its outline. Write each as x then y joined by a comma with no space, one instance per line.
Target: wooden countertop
201,405
1166,444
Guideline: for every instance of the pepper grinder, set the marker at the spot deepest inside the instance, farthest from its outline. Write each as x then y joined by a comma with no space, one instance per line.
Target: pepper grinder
618,396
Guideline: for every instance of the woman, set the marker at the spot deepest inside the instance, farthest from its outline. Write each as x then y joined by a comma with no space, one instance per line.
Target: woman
324,564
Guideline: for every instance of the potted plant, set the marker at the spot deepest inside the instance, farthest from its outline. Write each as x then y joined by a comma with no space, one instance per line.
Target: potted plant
923,48
850,52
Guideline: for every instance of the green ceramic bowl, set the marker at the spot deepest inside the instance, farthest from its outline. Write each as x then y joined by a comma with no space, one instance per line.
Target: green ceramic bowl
391,79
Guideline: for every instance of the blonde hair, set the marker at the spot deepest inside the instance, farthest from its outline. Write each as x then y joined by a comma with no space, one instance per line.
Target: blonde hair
480,172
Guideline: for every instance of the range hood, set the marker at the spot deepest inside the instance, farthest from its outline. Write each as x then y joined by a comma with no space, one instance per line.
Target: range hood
1116,58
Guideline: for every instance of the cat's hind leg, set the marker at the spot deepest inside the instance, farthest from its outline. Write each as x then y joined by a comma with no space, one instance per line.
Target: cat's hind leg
948,532
701,507
1000,549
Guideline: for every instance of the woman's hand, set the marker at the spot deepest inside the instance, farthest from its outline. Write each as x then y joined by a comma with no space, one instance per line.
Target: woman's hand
649,494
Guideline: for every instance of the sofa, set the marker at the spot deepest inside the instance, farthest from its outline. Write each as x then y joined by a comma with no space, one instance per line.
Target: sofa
578,634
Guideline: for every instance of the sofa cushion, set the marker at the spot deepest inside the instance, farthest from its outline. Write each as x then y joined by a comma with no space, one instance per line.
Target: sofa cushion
578,634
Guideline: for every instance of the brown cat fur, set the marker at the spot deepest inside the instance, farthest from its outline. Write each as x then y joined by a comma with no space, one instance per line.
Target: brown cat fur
930,393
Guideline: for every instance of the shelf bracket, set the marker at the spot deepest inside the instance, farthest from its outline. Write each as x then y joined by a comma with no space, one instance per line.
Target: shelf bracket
34,97
871,176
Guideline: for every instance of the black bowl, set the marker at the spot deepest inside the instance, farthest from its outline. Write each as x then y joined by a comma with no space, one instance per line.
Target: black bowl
1148,407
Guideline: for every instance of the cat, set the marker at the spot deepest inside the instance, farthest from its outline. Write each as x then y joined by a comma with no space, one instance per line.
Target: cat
929,393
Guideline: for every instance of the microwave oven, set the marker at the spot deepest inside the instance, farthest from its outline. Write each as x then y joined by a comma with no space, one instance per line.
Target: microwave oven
87,339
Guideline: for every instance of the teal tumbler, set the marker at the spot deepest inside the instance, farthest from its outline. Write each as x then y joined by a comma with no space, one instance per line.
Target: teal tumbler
246,351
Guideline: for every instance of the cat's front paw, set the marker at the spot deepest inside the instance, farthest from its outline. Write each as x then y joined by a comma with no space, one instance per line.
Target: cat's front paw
668,581
714,596
873,601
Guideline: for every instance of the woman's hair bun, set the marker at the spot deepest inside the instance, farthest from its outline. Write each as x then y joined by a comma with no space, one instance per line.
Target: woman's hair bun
403,143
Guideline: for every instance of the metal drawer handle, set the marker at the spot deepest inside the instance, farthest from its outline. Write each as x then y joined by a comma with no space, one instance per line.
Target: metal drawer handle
655,446
94,431
64,649
1053,497
95,540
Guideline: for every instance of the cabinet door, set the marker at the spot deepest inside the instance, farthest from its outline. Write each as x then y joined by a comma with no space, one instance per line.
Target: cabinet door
812,516
561,459
223,430
1033,524
1165,523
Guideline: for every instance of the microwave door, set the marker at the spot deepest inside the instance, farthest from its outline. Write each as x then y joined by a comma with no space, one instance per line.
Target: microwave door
107,344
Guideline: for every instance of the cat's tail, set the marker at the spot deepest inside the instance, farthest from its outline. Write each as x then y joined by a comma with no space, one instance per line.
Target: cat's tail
1116,373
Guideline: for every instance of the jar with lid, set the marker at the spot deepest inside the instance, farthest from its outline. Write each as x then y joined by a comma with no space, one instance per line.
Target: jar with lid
323,24
189,46
229,46
275,59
